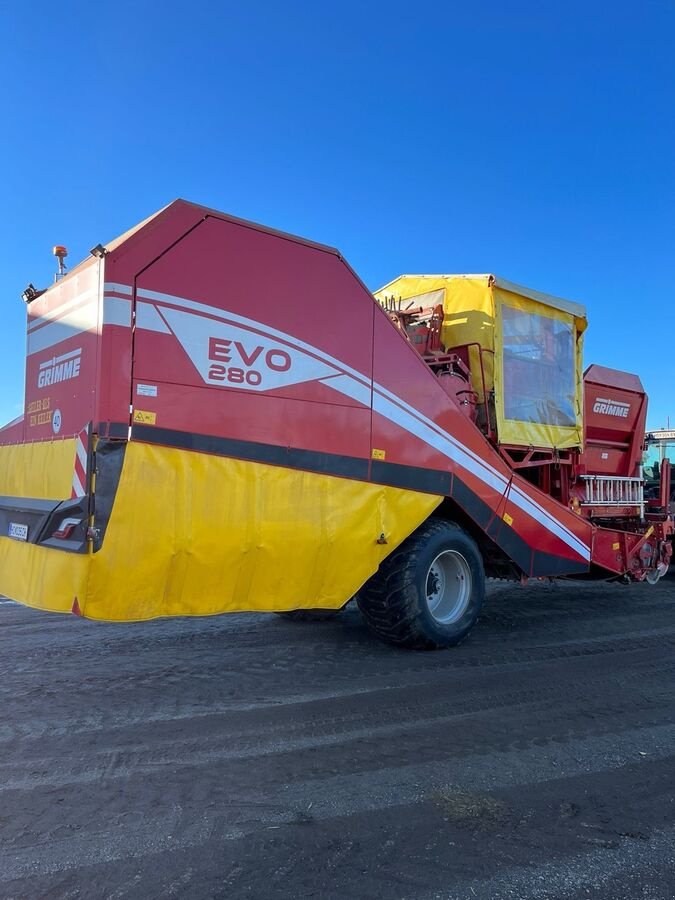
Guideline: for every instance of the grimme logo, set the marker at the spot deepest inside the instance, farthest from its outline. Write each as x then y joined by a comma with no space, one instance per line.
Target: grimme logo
231,361
60,368
611,407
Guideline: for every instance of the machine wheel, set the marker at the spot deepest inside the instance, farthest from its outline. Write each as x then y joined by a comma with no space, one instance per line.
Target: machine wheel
429,592
309,615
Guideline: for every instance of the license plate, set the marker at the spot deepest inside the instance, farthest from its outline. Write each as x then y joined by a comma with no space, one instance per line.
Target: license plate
18,532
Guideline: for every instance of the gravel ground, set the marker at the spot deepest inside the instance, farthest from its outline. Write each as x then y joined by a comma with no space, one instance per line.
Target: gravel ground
248,756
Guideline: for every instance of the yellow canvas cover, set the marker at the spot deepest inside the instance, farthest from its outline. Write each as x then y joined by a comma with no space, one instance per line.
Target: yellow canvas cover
529,345
196,534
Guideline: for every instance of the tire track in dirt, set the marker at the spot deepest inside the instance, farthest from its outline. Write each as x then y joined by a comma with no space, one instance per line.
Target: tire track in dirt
248,756
339,797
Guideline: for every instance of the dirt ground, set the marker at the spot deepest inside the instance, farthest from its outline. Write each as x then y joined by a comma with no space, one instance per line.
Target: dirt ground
247,756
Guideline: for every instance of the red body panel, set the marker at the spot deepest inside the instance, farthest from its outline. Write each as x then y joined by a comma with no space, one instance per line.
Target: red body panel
615,412
62,356
212,334
217,265
12,432
224,299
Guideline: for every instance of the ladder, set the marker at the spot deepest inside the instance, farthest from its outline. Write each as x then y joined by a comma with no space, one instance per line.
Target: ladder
614,490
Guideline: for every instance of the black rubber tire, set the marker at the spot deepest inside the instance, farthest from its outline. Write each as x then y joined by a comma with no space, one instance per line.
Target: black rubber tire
393,601
309,615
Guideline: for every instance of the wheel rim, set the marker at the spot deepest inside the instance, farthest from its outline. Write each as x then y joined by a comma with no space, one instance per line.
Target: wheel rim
448,587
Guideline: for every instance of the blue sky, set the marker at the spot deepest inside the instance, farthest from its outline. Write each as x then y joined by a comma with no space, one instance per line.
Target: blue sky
529,139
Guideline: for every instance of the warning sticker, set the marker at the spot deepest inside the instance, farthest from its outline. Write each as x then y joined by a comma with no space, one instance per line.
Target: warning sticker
143,417
378,454
508,519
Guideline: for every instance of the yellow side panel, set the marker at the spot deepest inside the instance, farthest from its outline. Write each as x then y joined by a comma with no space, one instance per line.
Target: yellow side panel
193,534
468,314
473,315
469,318
518,301
42,470
522,432
406,287
40,577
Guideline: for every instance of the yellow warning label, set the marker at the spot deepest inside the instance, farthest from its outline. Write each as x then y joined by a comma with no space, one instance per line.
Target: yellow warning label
378,454
142,417
616,546
508,519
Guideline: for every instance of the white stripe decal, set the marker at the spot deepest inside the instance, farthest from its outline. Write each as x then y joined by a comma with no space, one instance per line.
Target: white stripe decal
482,469
56,313
113,287
57,359
263,330
149,319
401,416
485,472
77,489
82,454
116,311
348,386
412,422
357,386
59,331
529,506
214,313
64,322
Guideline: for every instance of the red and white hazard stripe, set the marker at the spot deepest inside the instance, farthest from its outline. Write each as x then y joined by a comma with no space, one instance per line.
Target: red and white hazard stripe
79,488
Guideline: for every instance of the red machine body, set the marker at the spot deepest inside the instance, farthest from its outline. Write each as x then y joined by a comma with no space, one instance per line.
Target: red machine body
202,332
602,482
615,413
